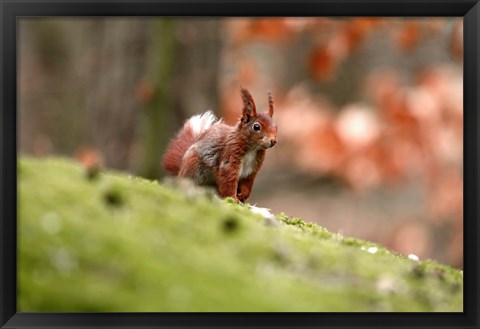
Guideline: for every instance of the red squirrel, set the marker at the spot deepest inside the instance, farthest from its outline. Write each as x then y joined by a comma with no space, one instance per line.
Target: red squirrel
228,157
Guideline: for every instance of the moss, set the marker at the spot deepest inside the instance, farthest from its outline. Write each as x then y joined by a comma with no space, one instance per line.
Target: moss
107,243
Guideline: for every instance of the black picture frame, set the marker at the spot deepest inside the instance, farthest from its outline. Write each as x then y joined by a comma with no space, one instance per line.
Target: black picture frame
11,10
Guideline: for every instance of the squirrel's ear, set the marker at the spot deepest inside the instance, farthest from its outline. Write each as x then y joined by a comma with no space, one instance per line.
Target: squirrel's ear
270,104
249,109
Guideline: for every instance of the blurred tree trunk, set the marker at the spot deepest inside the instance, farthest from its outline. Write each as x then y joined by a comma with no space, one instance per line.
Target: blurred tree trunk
119,46
155,93
50,88
181,80
197,67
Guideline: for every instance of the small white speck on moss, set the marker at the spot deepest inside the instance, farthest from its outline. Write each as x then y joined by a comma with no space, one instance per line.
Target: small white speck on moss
338,237
413,257
265,212
372,250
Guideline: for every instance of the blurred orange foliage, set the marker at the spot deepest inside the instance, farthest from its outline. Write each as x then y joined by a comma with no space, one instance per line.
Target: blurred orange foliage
409,36
402,130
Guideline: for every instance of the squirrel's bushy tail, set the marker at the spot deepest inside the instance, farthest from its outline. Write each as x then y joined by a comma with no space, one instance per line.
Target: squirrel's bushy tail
192,129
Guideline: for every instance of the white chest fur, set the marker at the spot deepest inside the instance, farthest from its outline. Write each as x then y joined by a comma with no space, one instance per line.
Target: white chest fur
248,164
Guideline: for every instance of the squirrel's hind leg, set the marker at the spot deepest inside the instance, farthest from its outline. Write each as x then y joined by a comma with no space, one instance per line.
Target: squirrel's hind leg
190,165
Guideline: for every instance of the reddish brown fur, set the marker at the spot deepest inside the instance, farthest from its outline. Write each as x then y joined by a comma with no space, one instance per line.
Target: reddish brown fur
189,164
270,104
239,151
172,158
248,103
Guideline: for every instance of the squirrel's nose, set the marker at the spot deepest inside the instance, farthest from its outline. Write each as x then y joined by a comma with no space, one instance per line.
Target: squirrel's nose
273,142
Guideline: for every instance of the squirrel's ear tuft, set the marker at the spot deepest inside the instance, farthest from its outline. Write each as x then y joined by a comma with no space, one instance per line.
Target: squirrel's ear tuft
270,104
249,109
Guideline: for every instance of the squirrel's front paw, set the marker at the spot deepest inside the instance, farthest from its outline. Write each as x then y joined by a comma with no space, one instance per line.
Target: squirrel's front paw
241,197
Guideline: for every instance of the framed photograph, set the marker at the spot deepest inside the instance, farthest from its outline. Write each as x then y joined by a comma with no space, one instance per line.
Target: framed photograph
238,164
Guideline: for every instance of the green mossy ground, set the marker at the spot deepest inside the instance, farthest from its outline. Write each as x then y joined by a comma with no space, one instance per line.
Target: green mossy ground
116,243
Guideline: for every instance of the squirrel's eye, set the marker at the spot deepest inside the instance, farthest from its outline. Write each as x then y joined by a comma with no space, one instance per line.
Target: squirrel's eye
256,127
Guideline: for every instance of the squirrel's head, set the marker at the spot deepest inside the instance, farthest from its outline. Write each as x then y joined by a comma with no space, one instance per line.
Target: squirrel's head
259,130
